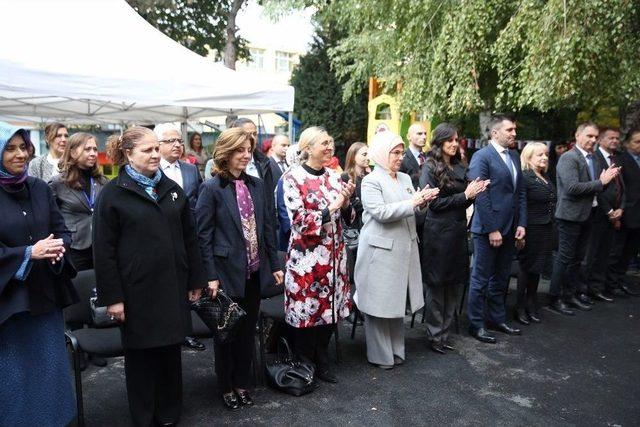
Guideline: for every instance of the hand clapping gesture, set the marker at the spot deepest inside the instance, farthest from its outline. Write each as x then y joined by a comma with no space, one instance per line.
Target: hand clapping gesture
609,174
476,187
424,196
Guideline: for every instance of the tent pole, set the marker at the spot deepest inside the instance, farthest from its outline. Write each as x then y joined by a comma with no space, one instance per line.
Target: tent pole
183,125
291,127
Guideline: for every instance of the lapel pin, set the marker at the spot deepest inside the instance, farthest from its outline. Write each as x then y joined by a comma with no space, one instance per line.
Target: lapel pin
174,196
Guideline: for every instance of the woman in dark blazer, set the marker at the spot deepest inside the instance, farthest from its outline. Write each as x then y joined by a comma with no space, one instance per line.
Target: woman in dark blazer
536,256
148,267
34,287
239,255
76,190
445,257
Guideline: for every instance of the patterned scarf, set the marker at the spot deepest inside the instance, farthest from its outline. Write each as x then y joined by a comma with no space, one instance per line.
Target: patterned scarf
6,133
248,220
149,184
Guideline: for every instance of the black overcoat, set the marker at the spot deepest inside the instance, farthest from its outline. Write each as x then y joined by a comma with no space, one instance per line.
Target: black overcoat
27,218
146,255
445,256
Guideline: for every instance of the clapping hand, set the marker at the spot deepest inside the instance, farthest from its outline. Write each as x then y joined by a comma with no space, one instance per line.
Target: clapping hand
476,187
195,294
609,174
422,197
48,248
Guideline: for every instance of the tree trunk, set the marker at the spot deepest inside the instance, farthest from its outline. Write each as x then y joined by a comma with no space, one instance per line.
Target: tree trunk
631,117
230,52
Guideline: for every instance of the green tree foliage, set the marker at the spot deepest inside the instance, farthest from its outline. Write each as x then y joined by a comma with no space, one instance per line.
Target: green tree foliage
456,57
200,25
319,98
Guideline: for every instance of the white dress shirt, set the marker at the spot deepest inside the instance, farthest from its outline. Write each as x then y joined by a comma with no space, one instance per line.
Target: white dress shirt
504,152
252,169
172,170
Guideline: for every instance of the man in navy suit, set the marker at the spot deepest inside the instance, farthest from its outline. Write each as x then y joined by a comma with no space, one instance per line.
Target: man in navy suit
498,224
184,174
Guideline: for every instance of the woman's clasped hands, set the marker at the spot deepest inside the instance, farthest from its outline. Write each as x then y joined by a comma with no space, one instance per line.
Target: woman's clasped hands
424,196
48,248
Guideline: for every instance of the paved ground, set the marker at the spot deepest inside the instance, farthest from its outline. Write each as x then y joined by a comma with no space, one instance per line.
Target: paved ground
567,371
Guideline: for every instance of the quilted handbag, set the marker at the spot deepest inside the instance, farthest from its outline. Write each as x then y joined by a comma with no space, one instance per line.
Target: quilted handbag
221,315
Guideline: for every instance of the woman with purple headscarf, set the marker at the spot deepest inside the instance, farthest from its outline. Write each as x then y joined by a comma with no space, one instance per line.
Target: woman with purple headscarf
34,287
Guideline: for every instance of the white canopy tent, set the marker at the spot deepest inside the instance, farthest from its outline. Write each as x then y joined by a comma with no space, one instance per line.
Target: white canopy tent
98,61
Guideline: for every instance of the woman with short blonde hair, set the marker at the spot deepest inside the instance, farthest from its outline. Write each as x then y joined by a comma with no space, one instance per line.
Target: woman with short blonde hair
535,257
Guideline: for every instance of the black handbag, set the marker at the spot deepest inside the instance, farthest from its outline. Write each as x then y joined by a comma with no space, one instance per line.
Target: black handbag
221,315
350,237
289,375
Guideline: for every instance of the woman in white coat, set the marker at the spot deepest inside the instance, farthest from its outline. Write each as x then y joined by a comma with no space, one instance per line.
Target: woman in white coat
388,264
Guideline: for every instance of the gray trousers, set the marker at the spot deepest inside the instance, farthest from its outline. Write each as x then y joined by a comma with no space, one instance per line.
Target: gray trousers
385,338
441,307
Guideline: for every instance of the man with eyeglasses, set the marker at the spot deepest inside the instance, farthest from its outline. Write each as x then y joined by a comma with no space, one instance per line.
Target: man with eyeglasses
184,174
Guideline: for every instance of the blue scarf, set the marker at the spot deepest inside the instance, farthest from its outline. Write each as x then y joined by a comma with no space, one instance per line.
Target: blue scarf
149,184
6,133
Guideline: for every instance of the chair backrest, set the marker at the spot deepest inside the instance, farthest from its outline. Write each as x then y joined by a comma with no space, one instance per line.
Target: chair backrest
80,312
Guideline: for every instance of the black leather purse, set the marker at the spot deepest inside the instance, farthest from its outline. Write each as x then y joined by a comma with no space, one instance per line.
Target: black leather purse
221,315
289,375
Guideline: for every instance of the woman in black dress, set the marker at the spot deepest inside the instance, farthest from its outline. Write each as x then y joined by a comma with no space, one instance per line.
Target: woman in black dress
535,257
445,259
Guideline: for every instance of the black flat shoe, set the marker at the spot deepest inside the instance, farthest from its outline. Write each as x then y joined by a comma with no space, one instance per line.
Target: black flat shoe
505,329
583,298
230,400
448,346
244,398
482,335
327,376
436,347
559,307
575,303
193,344
397,360
627,290
599,296
534,317
521,317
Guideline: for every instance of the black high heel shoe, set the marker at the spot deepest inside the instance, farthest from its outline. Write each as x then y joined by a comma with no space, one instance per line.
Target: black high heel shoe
534,316
244,398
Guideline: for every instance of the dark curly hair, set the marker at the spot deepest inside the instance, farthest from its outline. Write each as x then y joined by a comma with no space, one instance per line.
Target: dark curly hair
435,160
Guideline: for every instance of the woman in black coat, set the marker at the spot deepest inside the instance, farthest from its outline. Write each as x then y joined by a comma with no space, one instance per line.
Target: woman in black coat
148,267
445,257
535,258
34,287
235,232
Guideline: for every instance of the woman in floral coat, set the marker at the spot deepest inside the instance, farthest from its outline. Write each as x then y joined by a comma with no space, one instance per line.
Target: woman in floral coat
316,280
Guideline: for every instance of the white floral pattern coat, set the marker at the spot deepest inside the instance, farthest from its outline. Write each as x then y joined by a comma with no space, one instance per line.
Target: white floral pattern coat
316,251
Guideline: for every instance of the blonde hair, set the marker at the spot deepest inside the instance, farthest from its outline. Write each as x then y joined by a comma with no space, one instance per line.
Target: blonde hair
228,142
308,138
118,144
527,153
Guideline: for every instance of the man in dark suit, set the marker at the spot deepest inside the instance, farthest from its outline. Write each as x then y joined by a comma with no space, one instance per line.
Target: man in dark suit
183,174
626,241
578,188
498,224
414,157
279,145
606,219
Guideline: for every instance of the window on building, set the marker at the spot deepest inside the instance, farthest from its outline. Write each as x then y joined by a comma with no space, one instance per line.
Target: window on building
257,59
285,61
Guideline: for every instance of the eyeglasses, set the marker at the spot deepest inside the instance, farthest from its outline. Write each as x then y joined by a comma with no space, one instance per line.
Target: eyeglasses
172,141
397,153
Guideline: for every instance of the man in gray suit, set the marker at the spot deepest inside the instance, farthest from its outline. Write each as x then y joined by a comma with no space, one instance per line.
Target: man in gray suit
184,174
578,187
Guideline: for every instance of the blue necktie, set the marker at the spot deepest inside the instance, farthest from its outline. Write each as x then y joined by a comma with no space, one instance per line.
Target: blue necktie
510,165
637,159
592,171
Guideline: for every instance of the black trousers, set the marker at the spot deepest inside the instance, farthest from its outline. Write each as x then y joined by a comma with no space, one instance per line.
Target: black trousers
312,344
233,359
154,384
82,259
593,271
626,243
573,238
441,302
